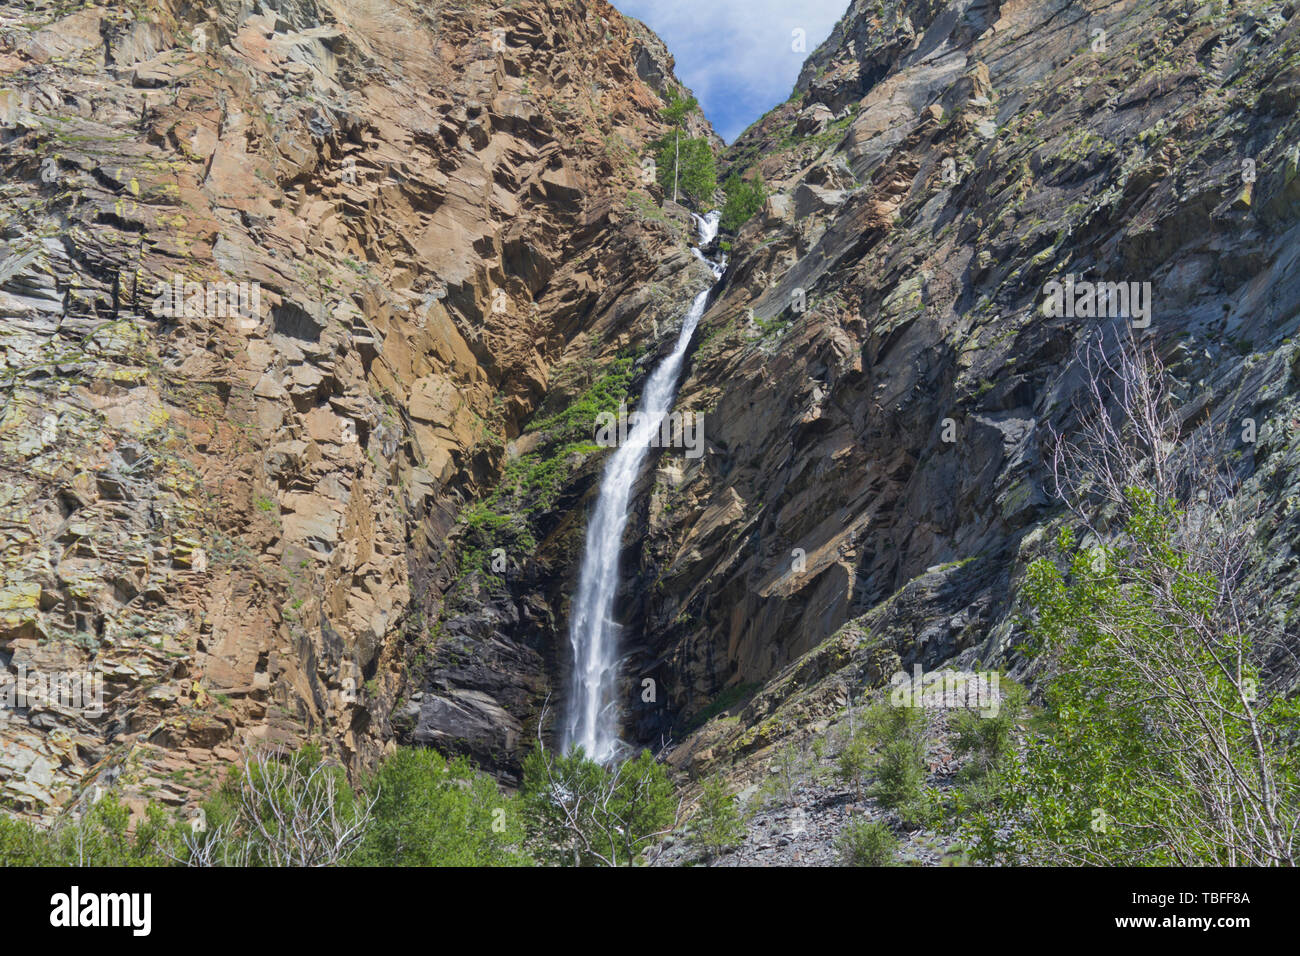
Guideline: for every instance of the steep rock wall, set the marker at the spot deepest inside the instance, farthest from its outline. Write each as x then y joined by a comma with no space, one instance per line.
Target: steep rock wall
242,520
879,376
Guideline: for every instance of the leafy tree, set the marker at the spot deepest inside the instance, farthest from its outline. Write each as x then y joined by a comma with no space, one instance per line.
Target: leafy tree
717,825
428,812
867,843
745,197
102,836
686,164
1160,741
588,814
1154,751
678,108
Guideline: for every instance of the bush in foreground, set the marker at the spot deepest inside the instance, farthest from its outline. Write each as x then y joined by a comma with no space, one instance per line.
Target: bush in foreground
745,197
583,813
431,812
867,843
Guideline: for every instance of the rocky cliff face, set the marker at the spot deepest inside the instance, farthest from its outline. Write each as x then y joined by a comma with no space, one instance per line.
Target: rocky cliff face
357,511
880,376
238,510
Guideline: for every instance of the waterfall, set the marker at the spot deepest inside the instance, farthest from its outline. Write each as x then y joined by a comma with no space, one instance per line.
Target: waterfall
707,226
593,713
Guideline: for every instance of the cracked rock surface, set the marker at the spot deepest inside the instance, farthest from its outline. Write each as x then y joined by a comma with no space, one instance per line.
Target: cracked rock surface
278,283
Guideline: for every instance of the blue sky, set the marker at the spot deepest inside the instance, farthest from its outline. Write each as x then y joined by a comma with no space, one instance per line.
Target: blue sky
736,55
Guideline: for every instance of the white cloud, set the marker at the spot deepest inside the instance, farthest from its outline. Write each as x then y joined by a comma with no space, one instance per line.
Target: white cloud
736,55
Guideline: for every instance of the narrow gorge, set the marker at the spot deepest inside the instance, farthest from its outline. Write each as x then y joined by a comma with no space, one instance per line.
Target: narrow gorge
384,376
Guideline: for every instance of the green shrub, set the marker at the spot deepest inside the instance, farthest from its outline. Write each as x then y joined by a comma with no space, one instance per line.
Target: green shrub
22,844
717,825
429,812
890,747
899,734
745,197
583,813
101,837
866,843
577,421
931,808
987,740
297,809
988,743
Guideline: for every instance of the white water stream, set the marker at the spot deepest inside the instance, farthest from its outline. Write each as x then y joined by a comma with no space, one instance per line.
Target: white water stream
592,720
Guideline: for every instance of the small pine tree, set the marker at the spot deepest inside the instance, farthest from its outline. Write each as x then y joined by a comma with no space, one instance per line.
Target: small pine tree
900,773
865,843
855,760
717,825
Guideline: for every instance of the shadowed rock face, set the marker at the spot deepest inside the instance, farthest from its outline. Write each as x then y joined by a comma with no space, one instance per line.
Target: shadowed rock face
242,518
938,164
355,509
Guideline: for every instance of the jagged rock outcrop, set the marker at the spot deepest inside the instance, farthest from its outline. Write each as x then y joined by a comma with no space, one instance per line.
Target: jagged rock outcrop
238,510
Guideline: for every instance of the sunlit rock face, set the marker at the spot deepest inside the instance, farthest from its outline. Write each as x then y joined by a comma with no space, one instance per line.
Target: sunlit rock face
278,291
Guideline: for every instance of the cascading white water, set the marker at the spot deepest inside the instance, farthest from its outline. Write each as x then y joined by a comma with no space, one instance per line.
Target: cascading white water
592,719
707,226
